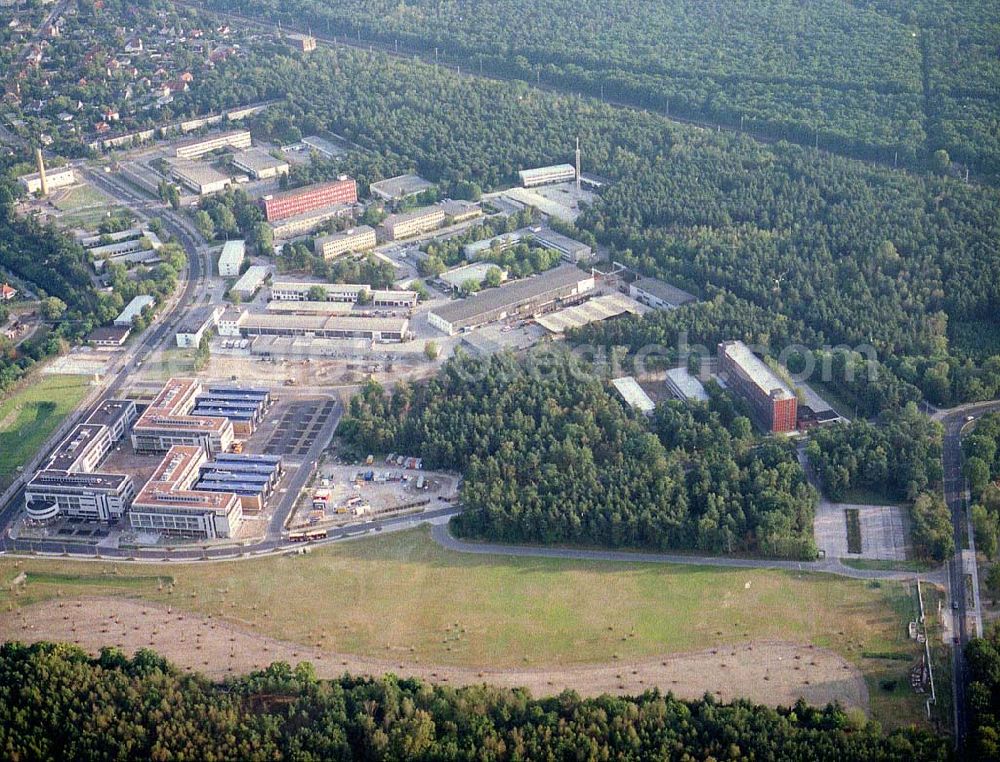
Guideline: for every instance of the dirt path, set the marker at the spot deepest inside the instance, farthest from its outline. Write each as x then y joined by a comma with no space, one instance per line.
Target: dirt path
768,672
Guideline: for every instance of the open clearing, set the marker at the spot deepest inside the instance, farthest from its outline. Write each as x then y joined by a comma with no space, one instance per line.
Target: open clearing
31,414
401,599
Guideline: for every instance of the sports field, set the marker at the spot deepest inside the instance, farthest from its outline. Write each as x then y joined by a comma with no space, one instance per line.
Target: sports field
31,413
400,596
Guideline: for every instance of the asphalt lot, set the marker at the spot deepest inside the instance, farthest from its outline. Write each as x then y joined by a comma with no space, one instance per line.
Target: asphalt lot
298,427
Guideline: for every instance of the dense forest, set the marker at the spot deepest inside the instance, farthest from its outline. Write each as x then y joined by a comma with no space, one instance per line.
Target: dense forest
842,253
865,79
549,456
56,702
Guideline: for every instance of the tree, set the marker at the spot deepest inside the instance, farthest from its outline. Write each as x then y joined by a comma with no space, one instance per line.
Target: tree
941,161
993,583
431,350
977,471
317,294
364,297
932,529
494,277
204,224
985,527
52,308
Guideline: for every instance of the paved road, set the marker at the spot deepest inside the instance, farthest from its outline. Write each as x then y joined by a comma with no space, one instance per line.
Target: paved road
443,537
963,563
231,551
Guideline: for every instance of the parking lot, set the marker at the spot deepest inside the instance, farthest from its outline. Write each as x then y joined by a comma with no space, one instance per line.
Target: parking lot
297,426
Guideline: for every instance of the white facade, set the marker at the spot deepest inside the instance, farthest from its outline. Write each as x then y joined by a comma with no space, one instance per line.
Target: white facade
231,258
558,173
360,238
60,177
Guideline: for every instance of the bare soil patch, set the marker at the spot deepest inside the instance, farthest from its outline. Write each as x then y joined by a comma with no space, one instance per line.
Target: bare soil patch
768,672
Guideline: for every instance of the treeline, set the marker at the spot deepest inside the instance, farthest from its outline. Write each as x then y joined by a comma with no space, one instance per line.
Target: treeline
56,702
981,466
846,253
549,456
983,695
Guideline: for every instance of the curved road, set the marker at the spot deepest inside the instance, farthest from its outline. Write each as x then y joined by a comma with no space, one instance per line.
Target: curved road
443,537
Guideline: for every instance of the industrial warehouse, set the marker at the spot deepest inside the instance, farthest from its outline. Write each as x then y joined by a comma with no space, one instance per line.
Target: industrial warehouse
523,298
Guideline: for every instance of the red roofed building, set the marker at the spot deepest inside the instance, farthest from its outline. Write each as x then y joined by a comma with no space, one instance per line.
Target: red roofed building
290,203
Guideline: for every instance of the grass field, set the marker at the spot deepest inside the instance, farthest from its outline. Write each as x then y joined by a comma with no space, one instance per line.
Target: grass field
31,414
404,592
84,207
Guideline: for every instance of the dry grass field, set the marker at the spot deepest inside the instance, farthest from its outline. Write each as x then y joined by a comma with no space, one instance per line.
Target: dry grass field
401,598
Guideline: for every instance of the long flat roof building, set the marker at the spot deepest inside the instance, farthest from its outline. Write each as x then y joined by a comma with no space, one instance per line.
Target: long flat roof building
231,258
301,224
557,173
299,291
398,188
196,147
383,330
343,190
521,298
59,177
133,309
570,249
169,421
251,281
423,220
658,294
199,177
634,395
476,272
774,404
259,164
171,503
196,324
361,238
684,386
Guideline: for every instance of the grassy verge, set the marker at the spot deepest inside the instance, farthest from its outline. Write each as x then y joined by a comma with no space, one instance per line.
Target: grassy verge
853,530
887,671
865,496
31,414
404,592
867,564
